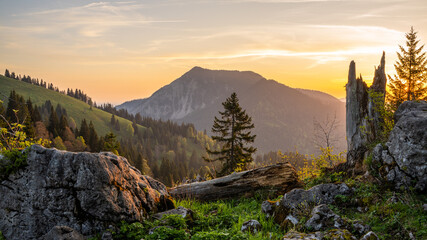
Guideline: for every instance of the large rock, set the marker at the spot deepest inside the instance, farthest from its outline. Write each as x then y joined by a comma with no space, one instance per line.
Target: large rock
84,191
402,161
300,202
279,178
364,122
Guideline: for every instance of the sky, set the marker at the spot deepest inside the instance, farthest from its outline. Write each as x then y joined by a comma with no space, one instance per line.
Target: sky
116,51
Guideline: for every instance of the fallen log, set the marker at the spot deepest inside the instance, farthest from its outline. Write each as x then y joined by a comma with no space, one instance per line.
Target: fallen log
279,178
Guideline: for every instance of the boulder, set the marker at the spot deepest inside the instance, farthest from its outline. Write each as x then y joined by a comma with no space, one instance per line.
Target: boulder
402,161
323,218
299,202
252,226
84,191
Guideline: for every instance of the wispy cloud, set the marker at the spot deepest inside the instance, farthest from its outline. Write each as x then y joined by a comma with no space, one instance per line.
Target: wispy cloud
95,19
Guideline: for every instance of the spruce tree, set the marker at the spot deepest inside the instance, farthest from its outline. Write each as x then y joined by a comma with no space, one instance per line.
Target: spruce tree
53,123
84,130
410,81
93,138
232,131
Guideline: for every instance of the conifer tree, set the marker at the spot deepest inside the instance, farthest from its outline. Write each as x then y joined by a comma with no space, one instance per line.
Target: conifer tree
111,144
232,131
84,130
53,123
93,138
410,81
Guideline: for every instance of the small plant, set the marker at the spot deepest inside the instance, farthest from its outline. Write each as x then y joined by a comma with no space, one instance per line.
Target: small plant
167,233
174,220
13,141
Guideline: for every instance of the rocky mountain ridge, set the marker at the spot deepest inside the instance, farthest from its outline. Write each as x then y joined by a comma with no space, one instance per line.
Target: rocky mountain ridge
283,116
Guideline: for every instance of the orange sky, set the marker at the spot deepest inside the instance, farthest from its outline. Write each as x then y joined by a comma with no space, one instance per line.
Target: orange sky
121,50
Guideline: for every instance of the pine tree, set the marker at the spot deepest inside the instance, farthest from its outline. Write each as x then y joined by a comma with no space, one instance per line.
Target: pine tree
410,81
111,144
84,130
233,132
53,123
6,73
93,138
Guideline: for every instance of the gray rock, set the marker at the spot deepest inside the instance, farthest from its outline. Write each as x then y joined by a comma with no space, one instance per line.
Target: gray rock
182,211
370,236
252,226
292,219
359,228
323,218
402,161
267,207
319,194
84,191
300,202
62,233
425,207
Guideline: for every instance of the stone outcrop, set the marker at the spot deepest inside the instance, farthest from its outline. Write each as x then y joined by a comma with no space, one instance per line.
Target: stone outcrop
83,191
364,123
402,161
279,178
299,202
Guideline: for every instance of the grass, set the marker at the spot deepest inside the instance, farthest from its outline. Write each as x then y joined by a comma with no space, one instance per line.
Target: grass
213,220
391,214
76,109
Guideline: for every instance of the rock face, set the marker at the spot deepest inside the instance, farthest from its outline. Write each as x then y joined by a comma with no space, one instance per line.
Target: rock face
403,159
83,191
363,122
279,178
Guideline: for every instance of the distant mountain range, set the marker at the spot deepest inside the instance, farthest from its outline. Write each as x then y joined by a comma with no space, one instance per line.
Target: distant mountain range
283,116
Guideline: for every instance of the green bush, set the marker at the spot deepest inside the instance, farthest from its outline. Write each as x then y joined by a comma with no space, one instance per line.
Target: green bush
12,161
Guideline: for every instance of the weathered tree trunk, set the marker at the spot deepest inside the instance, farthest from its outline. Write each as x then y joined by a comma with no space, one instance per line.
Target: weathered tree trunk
364,122
280,178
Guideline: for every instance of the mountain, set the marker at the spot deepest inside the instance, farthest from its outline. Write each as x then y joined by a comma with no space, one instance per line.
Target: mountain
283,116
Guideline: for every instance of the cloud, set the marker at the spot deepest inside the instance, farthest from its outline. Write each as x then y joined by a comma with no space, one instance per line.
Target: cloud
95,19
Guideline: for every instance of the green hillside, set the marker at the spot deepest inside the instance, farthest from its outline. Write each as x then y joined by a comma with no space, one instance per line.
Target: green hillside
76,109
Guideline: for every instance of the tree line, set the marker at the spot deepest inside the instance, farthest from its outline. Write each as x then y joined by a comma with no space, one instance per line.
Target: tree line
77,94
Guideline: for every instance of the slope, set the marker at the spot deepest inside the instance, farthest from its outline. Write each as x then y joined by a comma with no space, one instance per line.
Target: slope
76,109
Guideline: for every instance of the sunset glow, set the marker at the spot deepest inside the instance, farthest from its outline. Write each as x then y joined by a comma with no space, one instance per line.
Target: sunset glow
122,50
